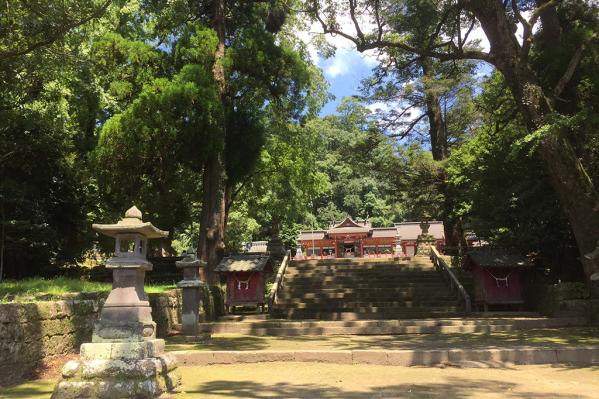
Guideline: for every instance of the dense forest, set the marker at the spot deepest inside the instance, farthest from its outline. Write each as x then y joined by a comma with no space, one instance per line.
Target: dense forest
207,116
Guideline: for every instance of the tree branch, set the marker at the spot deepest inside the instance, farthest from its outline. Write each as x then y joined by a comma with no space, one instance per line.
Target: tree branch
56,35
572,65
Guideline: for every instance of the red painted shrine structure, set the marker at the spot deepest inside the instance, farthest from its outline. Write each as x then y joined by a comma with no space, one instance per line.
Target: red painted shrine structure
359,239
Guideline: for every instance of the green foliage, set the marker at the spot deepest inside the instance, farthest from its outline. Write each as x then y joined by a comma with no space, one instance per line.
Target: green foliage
502,192
31,288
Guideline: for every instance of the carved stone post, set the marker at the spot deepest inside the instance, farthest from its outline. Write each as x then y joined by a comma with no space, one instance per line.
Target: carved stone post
191,285
124,359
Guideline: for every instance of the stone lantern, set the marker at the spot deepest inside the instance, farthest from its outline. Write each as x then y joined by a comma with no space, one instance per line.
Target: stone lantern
425,240
191,286
124,358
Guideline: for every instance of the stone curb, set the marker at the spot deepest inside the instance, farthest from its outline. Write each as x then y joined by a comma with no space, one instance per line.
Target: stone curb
407,358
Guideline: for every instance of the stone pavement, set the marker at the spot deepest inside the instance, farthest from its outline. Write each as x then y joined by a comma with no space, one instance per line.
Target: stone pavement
318,380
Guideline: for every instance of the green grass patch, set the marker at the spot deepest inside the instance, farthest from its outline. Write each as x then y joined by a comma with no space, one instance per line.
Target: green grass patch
31,289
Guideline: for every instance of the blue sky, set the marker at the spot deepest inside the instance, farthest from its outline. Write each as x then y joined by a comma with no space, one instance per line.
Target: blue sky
344,73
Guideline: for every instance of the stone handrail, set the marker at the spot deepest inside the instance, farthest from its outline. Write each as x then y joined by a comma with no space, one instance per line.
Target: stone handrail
442,266
278,281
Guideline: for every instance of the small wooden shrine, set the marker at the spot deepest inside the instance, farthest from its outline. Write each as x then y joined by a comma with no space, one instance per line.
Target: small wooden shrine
246,279
497,277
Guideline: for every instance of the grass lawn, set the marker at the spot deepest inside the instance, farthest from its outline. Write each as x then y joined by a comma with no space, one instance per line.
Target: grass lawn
538,338
30,288
342,381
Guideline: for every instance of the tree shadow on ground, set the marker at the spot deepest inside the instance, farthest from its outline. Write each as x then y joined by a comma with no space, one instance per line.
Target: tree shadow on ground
454,388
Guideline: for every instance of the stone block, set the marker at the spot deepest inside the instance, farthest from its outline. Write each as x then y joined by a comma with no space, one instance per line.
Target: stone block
11,332
338,357
76,389
9,313
409,358
59,344
581,355
70,369
529,356
475,355
193,358
57,327
120,369
224,357
263,356
370,357
122,350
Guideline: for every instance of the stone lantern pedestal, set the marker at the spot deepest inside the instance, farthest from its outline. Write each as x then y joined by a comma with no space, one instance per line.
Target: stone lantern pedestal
124,359
424,241
191,285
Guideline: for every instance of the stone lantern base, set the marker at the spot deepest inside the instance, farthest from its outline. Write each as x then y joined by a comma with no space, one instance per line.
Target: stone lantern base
424,242
119,370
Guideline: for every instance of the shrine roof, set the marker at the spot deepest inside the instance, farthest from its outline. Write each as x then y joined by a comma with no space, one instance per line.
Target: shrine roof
309,235
411,230
384,232
349,230
243,263
490,258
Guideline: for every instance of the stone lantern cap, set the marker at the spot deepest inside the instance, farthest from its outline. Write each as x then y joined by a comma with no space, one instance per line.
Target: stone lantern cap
132,223
190,260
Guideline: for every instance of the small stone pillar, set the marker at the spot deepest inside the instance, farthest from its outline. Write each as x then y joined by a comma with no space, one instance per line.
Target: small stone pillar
425,241
190,285
124,359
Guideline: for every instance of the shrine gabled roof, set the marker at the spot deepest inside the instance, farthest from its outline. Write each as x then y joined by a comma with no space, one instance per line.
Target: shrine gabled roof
311,235
243,263
411,230
490,258
349,226
349,230
384,232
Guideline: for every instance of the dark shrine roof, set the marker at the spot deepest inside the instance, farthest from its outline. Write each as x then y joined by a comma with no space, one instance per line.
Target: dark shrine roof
243,263
489,258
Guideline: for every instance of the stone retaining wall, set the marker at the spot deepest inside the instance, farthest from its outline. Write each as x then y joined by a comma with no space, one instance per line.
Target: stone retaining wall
32,333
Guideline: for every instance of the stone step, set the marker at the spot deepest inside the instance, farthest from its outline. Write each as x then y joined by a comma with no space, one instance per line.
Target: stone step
312,297
386,327
363,304
315,286
367,278
362,273
301,314
463,357
366,268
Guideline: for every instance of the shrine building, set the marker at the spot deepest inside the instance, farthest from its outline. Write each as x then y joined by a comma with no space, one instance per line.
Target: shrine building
353,239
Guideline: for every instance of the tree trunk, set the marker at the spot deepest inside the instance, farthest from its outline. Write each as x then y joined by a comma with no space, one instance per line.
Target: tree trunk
437,131
211,244
438,138
575,190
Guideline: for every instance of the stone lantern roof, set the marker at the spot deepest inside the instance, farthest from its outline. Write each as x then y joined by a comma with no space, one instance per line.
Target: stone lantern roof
130,224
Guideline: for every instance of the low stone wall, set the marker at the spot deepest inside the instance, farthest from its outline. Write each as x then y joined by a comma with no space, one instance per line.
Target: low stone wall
32,333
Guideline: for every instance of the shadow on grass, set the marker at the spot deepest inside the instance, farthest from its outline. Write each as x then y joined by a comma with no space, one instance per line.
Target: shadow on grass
453,388
30,390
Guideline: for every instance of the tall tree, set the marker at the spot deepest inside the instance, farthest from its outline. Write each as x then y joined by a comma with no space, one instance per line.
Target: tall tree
537,93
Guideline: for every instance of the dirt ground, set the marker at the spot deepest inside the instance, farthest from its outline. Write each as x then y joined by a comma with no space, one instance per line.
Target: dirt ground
312,380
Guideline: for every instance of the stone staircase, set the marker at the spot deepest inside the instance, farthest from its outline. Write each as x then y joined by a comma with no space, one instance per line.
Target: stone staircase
373,297
362,289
